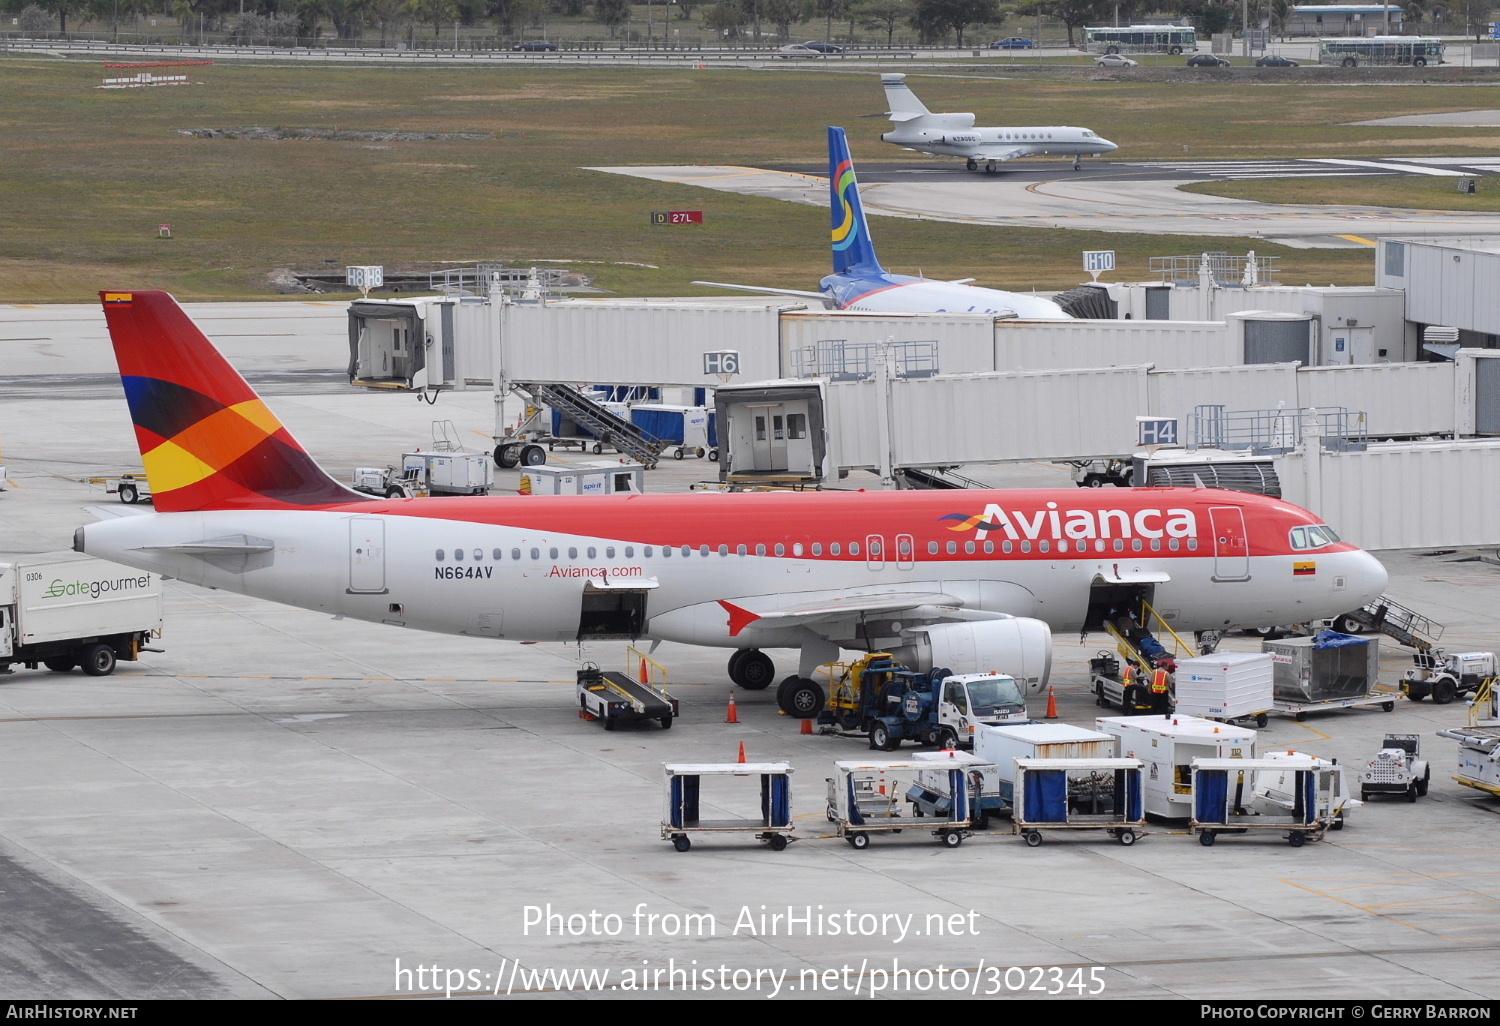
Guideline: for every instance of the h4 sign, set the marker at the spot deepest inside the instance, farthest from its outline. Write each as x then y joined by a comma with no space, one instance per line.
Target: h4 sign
1156,430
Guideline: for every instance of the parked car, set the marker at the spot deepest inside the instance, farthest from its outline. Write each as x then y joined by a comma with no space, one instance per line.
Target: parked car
1273,60
1115,60
822,47
1013,43
536,45
1206,60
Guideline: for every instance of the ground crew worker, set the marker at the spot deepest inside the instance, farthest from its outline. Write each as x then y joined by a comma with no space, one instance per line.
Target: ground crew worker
1161,687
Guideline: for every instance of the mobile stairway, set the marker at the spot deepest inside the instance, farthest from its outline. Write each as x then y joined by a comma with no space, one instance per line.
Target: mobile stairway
605,426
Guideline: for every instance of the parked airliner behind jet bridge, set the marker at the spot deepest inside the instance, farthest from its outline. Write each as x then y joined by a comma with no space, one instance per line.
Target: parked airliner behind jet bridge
954,135
971,580
858,282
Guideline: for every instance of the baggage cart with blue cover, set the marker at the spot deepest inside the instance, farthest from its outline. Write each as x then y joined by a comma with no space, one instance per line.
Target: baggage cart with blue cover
866,798
684,800
1078,794
1225,800
684,428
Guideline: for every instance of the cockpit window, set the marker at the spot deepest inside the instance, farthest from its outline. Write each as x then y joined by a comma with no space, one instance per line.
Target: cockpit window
1314,537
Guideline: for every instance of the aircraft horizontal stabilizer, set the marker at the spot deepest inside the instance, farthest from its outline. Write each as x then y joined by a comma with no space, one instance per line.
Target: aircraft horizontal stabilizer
235,544
117,512
766,290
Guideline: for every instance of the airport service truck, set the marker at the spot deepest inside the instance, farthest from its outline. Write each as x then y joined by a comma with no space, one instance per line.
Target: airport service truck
63,610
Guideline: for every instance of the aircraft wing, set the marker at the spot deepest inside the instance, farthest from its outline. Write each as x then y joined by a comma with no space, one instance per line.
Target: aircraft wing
766,290
1005,153
841,609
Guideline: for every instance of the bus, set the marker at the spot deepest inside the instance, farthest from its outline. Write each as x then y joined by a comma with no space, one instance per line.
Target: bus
1141,39
1381,50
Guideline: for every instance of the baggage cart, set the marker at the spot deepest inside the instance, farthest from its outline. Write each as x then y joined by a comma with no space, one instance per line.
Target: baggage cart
1225,799
1078,794
681,818
1168,746
866,798
932,794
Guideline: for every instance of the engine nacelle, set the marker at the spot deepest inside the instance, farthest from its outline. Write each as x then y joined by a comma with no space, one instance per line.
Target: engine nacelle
1018,645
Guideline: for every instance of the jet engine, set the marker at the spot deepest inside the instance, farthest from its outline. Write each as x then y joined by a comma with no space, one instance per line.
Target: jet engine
1017,645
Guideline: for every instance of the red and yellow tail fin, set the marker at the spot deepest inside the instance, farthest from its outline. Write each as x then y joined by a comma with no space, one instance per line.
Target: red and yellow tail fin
206,438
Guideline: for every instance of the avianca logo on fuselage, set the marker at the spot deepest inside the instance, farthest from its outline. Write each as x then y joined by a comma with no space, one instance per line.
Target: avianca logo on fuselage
1078,524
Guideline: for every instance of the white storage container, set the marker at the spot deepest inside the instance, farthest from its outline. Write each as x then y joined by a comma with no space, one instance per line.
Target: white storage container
1168,746
1002,746
1225,687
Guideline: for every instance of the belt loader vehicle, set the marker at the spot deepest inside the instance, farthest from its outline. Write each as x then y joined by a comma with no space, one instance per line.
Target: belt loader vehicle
611,698
64,610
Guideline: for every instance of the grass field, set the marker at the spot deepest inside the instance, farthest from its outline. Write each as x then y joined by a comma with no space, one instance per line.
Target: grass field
86,174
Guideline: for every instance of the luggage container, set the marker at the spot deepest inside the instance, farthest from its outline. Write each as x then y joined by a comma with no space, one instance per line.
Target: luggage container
1078,794
1224,799
866,798
448,473
1231,686
1327,667
1003,745
1168,746
684,799
600,477
684,428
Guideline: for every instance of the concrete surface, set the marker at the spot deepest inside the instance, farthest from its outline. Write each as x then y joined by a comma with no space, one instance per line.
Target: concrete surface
282,804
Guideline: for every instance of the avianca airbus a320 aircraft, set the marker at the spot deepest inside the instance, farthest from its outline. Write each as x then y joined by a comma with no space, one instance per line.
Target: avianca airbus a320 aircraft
972,580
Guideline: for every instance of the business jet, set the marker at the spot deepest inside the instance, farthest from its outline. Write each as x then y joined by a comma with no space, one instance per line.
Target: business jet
954,135
858,282
972,580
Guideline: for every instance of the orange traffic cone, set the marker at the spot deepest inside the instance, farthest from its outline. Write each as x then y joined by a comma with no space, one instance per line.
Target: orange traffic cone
734,714
742,752
1051,703
645,677
807,726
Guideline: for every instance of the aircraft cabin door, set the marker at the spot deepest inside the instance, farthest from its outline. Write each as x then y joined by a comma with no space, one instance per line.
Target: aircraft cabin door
367,556
1231,544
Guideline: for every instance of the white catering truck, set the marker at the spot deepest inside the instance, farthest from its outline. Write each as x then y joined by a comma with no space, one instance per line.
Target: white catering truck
64,609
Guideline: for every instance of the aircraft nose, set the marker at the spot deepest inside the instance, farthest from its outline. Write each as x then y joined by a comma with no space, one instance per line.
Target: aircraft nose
1367,577
1112,146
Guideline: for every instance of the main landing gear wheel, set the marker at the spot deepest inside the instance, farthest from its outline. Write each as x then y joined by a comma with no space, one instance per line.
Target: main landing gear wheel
800,697
507,455
992,168
533,456
972,164
753,671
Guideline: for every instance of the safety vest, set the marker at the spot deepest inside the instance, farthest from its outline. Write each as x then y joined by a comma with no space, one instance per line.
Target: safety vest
1159,682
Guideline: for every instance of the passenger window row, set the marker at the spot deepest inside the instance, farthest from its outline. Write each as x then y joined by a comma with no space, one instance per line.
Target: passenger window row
837,549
